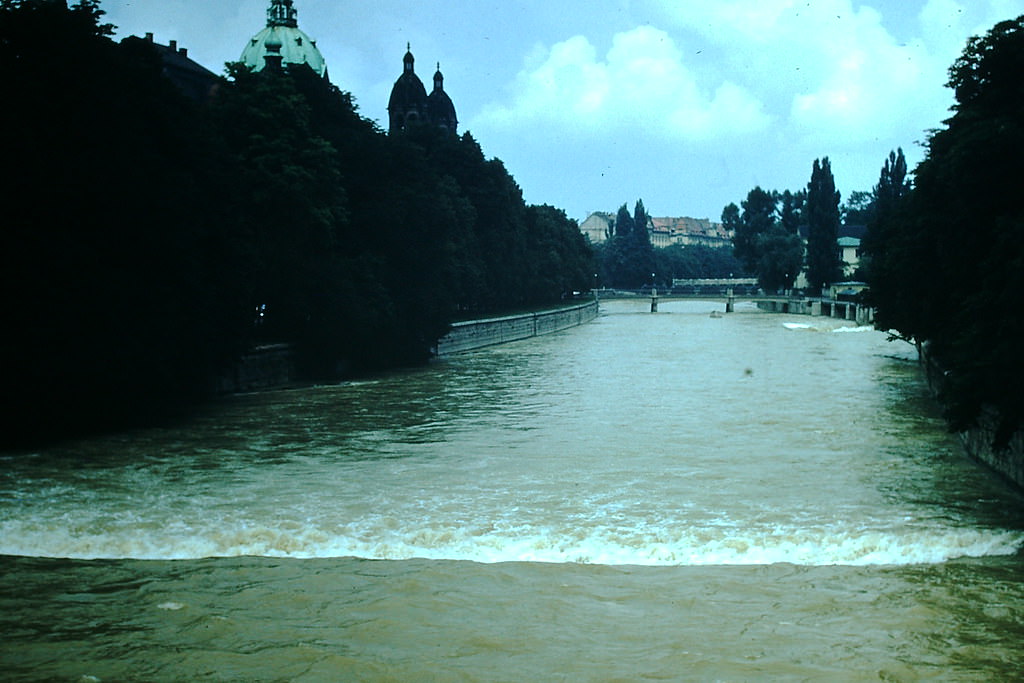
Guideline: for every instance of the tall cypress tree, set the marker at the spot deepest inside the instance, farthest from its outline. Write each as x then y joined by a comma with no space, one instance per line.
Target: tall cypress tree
791,210
623,222
948,269
885,265
643,251
758,218
640,219
629,256
893,184
824,261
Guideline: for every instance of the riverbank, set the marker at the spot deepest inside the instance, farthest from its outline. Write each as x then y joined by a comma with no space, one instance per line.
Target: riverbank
977,441
273,366
1007,463
475,334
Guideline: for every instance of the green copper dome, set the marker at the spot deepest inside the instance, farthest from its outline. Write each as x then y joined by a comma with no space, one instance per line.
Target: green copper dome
283,37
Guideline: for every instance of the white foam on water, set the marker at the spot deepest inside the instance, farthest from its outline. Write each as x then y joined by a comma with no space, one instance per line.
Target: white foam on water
387,539
828,325
171,606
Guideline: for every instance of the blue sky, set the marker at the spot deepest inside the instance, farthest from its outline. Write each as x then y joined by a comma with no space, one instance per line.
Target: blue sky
687,104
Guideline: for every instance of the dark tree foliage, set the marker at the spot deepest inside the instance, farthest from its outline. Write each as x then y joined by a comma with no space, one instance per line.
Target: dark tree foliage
859,207
824,260
780,258
791,210
623,222
142,230
758,218
506,256
766,240
640,221
628,258
948,265
118,302
692,261
731,219
560,261
894,301
289,202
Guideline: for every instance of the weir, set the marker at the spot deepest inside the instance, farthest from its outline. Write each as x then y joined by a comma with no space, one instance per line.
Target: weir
775,496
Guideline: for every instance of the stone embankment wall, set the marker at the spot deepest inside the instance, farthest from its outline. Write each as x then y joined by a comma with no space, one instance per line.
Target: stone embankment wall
264,367
474,334
273,366
1008,463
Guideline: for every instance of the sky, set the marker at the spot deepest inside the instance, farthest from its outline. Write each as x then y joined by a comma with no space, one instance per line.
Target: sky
591,104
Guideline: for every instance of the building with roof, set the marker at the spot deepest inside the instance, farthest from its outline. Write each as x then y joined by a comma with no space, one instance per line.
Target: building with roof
850,254
663,231
409,104
282,42
194,80
666,231
598,226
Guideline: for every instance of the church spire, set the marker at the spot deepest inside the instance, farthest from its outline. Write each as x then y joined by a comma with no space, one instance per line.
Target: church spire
282,13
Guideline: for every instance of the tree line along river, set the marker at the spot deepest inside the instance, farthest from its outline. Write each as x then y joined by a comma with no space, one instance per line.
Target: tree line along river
672,496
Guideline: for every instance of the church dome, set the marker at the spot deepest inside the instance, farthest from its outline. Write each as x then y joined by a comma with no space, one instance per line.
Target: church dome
440,107
283,37
408,102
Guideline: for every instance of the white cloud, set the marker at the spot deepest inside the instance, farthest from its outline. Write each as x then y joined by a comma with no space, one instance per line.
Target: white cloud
642,85
946,24
834,72
869,85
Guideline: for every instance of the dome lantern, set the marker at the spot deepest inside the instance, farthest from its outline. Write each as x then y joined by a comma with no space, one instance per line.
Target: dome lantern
409,61
282,13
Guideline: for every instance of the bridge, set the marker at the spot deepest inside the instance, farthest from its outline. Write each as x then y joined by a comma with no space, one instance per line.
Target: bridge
791,301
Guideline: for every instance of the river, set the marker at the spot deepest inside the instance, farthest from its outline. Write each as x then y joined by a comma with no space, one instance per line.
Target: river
668,496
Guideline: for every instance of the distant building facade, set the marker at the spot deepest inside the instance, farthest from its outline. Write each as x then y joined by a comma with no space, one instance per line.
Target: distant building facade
663,231
689,231
850,248
598,226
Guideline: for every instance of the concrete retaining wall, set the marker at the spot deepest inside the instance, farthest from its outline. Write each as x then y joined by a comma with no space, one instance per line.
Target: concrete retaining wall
474,334
843,310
